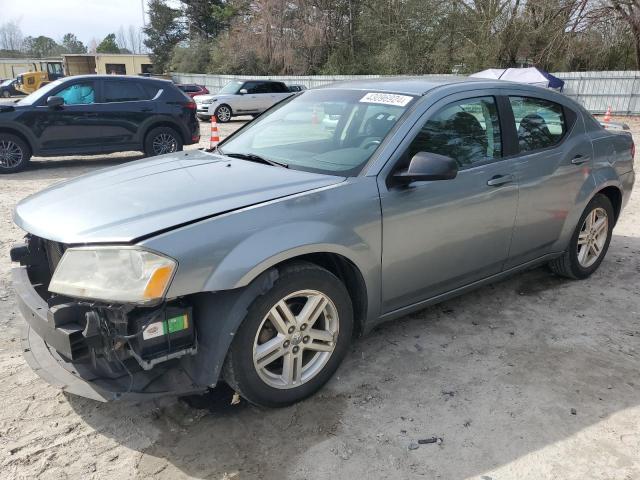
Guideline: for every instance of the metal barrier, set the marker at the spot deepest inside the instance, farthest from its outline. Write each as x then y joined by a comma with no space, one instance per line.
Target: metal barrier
595,90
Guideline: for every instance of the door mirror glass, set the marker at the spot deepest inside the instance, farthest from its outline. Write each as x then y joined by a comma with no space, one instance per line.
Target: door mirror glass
54,102
427,166
243,91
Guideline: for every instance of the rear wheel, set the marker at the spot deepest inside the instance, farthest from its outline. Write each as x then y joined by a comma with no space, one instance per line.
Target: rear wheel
223,113
6,94
292,339
590,241
162,140
14,153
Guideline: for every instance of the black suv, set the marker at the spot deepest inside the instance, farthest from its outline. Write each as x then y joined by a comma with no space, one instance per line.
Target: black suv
95,114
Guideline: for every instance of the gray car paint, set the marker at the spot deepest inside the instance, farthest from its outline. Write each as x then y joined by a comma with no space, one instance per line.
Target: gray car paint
226,248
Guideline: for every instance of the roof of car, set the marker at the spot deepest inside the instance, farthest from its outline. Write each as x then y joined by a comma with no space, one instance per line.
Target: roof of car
409,85
112,77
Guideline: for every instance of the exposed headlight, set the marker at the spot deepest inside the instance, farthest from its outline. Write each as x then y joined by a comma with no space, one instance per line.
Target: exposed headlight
113,274
208,101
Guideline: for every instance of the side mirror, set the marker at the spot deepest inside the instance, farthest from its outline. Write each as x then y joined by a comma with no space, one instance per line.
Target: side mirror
55,102
243,91
426,166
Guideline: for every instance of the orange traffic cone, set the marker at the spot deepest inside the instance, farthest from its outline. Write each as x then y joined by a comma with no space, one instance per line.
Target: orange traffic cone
215,137
607,116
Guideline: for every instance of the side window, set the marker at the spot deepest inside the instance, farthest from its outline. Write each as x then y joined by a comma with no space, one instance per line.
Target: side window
115,91
78,94
279,88
251,87
467,131
539,123
263,87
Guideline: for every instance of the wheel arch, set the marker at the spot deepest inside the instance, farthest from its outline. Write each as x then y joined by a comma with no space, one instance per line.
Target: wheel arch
164,123
614,194
21,135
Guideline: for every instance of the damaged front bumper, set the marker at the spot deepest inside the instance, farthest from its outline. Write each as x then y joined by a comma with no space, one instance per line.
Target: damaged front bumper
60,355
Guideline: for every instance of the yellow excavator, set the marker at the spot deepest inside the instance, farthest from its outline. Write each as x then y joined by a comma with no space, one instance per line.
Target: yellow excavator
44,72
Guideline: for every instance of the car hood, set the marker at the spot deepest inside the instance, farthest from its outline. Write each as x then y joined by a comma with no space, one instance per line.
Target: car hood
122,204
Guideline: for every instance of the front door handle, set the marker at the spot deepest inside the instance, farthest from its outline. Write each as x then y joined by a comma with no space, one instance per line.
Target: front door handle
500,180
580,159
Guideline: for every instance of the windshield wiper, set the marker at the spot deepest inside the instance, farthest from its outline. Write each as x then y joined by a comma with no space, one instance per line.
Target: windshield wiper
252,157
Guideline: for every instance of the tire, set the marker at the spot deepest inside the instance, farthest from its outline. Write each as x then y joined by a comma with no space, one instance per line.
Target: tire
162,140
5,94
576,262
223,113
15,153
267,384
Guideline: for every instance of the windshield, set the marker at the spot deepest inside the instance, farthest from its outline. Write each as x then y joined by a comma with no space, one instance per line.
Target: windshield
6,83
38,94
325,131
231,88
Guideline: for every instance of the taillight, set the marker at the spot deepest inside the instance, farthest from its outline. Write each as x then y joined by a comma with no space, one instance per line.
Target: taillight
190,105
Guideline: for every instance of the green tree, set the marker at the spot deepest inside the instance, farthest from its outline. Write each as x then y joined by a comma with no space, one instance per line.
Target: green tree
41,47
108,45
163,32
72,45
208,18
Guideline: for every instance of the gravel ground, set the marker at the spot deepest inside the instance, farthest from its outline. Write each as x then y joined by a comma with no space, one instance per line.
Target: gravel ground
533,377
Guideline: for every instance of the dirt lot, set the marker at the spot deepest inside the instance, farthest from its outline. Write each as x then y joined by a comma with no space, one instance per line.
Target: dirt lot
534,377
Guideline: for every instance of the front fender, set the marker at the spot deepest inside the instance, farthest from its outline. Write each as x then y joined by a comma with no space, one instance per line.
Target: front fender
274,245
229,251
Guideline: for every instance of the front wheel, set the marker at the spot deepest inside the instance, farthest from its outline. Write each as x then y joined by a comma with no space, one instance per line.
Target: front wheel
162,140
590,241
6,94
223,114
292,339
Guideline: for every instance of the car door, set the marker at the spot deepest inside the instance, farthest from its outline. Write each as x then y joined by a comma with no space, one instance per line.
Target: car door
553,163
248,102
70,127
441,235
277,91
125,106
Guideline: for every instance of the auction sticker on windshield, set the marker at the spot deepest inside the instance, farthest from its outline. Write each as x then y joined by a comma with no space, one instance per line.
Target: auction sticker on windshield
386,99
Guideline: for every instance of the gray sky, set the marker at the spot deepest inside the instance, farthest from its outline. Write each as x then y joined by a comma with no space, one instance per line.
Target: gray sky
86,18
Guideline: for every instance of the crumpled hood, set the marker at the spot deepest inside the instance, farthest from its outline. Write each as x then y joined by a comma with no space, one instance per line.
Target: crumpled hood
121,204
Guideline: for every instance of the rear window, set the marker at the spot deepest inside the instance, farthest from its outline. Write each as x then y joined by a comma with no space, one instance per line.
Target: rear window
539,123
115,91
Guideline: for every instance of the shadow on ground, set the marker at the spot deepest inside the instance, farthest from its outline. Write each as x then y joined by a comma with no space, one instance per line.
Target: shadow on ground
498,374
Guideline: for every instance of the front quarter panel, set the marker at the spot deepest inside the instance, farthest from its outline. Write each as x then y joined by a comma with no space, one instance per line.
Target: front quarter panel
229,251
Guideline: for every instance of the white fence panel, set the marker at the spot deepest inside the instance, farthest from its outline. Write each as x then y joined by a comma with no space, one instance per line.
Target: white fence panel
595,90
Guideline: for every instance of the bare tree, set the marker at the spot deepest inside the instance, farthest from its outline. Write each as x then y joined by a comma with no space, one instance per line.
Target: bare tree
629,11
11,37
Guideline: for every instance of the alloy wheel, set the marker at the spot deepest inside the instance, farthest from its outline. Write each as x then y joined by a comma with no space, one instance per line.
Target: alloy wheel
164,143
592,237
11,154
295,339
223,114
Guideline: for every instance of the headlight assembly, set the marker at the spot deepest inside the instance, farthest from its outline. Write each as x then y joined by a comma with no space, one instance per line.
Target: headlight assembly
113,274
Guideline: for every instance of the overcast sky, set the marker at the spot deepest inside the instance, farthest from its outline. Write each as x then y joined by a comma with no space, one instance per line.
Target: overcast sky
86,18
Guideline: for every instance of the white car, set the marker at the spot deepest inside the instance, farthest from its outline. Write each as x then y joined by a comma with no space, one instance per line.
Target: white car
240,97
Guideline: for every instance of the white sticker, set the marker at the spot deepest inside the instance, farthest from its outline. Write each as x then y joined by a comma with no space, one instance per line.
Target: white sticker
153,330
386,99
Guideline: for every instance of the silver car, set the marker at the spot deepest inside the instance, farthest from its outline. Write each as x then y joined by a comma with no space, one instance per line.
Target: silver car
258,263
241,98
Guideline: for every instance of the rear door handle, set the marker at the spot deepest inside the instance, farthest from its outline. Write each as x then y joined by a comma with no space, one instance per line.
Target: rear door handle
500,180
146,109
580,159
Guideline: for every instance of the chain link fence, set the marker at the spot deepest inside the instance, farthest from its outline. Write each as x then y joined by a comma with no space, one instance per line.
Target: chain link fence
595,90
